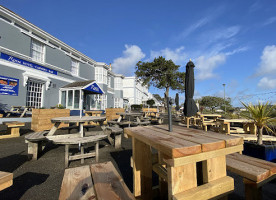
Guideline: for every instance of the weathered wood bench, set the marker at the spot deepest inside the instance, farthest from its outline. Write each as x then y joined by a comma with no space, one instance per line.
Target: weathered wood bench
255,173
13,129
117,133
6,180
36,143
77,183
77,140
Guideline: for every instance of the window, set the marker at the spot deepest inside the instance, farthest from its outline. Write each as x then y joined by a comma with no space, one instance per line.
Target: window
118,102
77,99
118,83
37,51
101,75
34,94
75,67
109,81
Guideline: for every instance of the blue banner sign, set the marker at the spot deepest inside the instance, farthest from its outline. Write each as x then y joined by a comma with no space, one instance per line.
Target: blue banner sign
9,86
94,88
27,64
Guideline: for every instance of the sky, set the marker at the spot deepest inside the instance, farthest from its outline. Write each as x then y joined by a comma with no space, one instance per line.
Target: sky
230,42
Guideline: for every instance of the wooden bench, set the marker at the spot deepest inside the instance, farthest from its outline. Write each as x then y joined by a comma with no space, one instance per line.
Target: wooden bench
68,140
13,129
78,183
36,143
117,133
6,180
255,173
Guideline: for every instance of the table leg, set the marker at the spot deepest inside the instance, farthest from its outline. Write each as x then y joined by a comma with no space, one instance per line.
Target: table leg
188,121
181,179
142,169
213,169
163,185
54,129
66,155
82,152
81,129
97,151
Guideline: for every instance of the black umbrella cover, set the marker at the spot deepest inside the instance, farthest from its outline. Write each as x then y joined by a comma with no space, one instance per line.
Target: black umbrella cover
190,108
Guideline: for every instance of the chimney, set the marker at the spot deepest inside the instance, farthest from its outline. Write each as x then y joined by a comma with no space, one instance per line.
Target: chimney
110,66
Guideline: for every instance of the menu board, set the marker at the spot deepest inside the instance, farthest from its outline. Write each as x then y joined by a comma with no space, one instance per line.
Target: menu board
8,86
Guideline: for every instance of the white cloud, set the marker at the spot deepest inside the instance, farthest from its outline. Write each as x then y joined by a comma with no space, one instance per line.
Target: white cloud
267,83
126,64
270,21
178,56
268,61
206,66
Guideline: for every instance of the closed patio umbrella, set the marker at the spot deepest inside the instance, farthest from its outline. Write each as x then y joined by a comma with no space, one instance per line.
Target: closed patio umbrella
190,108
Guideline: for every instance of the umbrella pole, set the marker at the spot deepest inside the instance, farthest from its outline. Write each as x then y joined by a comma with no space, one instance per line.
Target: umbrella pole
169,104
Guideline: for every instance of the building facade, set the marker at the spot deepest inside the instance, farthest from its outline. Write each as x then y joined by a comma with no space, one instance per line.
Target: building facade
135,92
34,66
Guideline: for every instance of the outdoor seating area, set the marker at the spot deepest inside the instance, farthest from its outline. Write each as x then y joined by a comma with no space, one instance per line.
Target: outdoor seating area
19,111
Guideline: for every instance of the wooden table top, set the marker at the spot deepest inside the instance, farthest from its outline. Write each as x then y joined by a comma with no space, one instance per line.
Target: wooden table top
130,114
77,119
210,115
182,141
238,120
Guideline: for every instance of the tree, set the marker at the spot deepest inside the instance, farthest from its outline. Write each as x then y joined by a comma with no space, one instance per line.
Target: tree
262,116
212,102
150,102
161,73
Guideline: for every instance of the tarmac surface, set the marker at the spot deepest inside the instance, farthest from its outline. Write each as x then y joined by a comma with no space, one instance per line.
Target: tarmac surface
41,179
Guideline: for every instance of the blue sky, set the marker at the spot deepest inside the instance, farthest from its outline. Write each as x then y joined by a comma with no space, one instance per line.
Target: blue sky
231,42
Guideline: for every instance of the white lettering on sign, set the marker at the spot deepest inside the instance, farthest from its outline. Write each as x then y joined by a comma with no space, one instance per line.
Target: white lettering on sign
14,60
94,88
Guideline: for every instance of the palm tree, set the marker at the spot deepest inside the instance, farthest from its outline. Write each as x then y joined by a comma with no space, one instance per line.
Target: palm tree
261,115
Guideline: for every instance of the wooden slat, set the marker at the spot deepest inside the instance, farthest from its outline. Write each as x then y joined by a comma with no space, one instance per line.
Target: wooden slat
229,140
79,156
108,183
6,180
36,136
208,190
203,156
207,144
75,180
246,170
77,140
165,143
255,161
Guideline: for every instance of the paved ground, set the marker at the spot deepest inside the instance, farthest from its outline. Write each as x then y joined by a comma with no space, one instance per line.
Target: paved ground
41,179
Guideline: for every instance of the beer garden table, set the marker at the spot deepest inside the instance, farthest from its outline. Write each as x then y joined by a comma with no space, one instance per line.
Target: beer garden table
178,154
248,125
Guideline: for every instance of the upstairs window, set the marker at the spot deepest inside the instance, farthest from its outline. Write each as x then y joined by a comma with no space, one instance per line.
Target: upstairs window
75,67
37,51
109,81
118,83
101,75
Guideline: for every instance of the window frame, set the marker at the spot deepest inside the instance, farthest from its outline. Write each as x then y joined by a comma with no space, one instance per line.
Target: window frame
42,52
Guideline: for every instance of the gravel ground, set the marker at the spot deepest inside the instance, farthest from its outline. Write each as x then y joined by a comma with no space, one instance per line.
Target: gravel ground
41,179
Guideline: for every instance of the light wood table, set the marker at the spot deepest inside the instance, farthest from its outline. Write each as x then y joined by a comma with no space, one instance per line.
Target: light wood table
208,120
93,113
13,129
178,154
248,126
75,119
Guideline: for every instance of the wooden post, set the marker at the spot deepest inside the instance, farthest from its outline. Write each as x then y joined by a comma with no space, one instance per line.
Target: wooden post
66,155
213,169
82,152
142,169
186,175
97,151
163,185
252,192
118,140
54,129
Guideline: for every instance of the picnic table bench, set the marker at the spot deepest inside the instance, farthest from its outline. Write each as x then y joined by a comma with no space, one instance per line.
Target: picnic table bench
13,129
255,173
77,140
22,110
6,180
77,183
117,133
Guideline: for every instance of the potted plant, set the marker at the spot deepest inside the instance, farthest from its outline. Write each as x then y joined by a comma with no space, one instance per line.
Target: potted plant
261,114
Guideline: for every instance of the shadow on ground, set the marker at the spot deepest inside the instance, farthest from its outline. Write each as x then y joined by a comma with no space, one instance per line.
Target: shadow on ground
23,183
15,161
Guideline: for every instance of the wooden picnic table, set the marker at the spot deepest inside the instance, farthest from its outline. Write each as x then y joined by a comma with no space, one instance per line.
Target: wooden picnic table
75,119
6,180
73,139
180,151
22,110
226,126
93,113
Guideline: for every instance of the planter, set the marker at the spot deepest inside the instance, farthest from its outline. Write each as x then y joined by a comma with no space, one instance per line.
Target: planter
265,152
41,118
111,113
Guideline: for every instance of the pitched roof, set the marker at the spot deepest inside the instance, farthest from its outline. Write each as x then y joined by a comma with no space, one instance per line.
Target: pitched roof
78,84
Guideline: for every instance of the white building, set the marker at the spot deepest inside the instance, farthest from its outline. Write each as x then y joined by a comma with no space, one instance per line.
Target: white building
135,93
